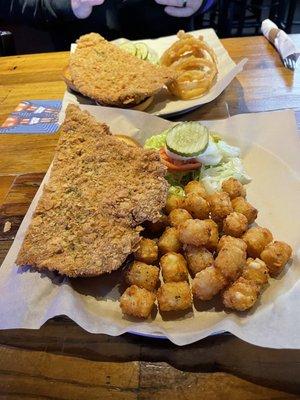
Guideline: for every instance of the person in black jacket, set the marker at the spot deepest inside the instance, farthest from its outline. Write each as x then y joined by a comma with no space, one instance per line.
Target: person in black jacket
135,19
53,10
46,11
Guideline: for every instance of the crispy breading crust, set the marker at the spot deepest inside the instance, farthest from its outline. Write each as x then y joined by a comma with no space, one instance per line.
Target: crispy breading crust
104,72
100,190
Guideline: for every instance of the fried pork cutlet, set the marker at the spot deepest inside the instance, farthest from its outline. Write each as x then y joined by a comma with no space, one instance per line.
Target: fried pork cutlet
100,190
104,72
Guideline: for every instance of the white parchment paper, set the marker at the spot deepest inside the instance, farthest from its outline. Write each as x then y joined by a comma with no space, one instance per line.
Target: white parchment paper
164,103
270,150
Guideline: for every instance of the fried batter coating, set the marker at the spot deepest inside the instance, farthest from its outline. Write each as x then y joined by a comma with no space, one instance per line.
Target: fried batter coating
256,271
234,188
198,258
158,226
104,72
147,251
242,206
276,255
235,224
241,295
256,239
137,302
173,201
178,216
197,206
173,266
194,231
143,275
196,187
100,190
213,235
231,241
207,283
230,261
174,296
220,205
169,241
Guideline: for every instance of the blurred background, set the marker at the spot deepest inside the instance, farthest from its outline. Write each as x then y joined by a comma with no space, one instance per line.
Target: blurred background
145,19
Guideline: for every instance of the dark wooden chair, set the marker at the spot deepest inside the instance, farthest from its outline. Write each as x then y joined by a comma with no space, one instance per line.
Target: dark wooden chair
290,16
7,45
235,16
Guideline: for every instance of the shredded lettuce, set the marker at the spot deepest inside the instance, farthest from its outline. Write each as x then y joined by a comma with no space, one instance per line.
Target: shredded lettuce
178,190
227,151
220,161
213,176
156,142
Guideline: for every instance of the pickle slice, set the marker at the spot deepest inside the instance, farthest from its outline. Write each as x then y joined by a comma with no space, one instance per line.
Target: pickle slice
187,139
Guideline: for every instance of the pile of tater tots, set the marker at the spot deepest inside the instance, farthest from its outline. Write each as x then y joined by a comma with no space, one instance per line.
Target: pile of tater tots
202,246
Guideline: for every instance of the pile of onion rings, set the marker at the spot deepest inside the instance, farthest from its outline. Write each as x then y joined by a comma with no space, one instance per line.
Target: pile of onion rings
196,64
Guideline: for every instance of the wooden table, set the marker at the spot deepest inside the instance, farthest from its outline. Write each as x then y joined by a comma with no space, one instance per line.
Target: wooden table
61,361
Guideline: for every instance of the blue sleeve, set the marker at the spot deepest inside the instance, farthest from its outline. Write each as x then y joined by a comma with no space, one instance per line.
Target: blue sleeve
207,4
41,11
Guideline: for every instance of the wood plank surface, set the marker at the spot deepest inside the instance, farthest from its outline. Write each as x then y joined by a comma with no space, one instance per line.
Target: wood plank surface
36,374
62,361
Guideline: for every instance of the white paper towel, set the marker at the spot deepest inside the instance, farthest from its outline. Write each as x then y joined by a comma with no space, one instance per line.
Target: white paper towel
270,149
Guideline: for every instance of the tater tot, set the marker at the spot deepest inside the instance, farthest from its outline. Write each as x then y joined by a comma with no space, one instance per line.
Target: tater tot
207,283
231,241
194,231
169,241
158,226
241,295
230,261
173,201
174,296
213,235
198,258
220,205
256,271
242,206
235,224
276,255
196,205
256,239
195,187
137,302
178,216
147,251
173,267
143,275
234,188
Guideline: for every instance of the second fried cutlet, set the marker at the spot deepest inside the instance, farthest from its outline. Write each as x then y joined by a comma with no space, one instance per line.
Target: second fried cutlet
104,72
100,190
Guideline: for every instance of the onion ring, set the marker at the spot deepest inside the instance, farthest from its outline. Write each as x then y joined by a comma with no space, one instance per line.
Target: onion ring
196,64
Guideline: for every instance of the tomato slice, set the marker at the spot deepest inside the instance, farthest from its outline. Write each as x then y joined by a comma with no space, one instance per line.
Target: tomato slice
177,165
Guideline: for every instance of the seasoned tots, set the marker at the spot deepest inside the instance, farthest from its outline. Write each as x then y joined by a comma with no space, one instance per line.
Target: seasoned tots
143,275
210,237
235,224
195,232
276,255
169,241
220,205
198,258
196,205
173,267
178,216
147,251
174,296
240,205
234,188
137,302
